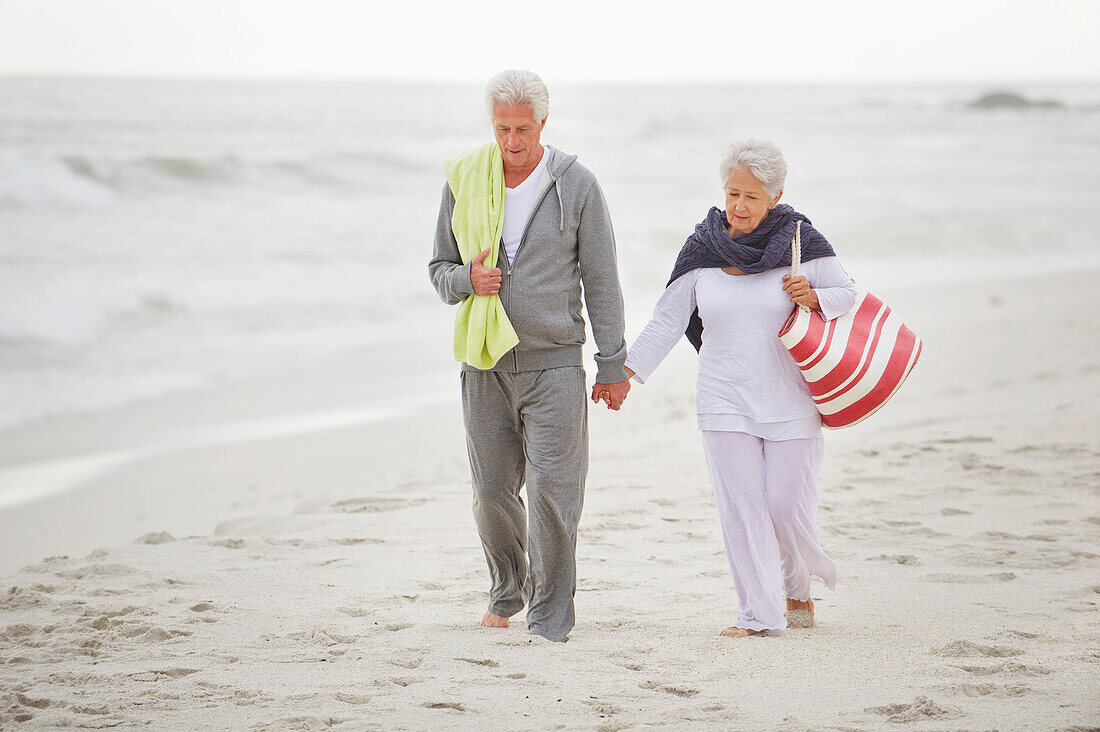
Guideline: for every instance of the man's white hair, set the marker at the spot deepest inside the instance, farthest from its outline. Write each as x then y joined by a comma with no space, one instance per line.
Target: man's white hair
761,158
518,88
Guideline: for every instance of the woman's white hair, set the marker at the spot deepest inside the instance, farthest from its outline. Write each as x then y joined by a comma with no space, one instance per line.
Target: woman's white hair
761,158
518,88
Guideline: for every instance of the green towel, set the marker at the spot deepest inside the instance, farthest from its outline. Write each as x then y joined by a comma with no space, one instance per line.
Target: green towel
482,331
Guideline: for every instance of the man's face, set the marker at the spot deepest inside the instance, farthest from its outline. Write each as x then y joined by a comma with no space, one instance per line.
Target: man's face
517,136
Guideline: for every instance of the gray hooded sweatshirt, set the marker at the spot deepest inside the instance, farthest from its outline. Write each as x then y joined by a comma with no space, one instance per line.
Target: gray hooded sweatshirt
568,241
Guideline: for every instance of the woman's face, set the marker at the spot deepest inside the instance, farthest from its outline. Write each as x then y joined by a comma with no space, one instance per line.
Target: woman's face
746,202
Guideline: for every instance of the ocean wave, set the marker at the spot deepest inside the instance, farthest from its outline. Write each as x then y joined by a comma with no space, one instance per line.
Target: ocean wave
50,181
83,181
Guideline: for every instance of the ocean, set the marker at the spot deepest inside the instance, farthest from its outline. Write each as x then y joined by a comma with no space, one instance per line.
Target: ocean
157,236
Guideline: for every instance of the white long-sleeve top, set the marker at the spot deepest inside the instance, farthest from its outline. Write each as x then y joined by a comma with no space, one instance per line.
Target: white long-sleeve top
748,382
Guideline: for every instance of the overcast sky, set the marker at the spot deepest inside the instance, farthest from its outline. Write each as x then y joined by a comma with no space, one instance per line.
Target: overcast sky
564,40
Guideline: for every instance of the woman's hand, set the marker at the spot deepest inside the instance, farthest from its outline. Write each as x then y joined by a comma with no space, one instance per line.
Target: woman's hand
800,292
602,392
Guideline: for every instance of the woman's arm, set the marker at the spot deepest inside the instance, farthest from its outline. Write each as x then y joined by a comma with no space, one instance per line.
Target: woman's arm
664,329
836,293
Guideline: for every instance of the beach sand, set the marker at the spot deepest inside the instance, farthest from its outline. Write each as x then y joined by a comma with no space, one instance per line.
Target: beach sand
295,553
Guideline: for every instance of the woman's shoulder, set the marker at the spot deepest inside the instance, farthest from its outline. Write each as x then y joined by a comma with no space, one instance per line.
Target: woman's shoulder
827,261
689,278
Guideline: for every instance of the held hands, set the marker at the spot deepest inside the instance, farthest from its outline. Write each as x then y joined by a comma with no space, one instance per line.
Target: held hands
485,280
800,292
613,394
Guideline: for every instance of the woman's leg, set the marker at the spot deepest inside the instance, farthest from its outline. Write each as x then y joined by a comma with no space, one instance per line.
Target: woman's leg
791,468
736,464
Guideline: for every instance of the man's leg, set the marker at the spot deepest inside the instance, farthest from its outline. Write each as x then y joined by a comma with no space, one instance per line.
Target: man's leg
495,445
554,410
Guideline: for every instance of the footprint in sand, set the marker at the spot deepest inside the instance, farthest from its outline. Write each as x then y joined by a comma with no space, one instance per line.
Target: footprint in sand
986,689
356,540
968,579
94,570
161,675
967,440
328,562
402,681
486,662
367,504
156,537
665,689
322,637
302,722
602,708
1021,634
354,699
921,709
907,560
24,598
1012,668
969,649
21,708
356,612
445,705
407,662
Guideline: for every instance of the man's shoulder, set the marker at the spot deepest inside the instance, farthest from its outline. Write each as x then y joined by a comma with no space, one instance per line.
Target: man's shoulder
570,170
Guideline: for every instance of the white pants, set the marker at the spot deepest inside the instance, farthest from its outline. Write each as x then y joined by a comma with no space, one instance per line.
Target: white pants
767,502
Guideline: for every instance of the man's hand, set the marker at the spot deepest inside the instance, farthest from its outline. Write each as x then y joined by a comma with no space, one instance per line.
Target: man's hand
613,394
485,280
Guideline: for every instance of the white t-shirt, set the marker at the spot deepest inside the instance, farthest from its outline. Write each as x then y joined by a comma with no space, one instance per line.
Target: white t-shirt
517,207
748,382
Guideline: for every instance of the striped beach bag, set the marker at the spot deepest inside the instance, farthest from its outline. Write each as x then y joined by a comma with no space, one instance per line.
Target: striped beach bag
854,363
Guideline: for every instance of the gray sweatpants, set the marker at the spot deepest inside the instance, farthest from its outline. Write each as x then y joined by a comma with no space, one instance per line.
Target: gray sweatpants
534,426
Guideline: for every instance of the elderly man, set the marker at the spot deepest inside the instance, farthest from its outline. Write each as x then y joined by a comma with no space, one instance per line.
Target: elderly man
519,335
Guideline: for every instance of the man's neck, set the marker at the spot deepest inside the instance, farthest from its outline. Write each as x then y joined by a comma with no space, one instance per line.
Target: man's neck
514,176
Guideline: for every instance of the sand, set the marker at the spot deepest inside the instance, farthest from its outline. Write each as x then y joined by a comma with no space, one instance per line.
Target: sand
298,553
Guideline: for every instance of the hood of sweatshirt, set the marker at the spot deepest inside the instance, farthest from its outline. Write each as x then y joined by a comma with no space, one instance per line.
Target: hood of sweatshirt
556,166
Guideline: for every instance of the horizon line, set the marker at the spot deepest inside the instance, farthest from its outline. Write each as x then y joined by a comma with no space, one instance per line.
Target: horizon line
605,81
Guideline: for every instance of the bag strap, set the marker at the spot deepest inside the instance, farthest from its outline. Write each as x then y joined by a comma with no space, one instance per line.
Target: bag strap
796,256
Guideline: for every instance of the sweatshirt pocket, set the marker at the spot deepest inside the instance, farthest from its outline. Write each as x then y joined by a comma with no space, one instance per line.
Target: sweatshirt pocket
564,329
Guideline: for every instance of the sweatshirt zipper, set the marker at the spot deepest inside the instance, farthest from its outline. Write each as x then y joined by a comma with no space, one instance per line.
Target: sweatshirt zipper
512,262
527,226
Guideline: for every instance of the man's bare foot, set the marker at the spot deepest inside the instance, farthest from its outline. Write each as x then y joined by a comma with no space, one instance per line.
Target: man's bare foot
800,613
735,632
490,620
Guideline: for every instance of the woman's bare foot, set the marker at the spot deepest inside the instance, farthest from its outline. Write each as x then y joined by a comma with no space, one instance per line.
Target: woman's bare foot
735,632
490,620
800,613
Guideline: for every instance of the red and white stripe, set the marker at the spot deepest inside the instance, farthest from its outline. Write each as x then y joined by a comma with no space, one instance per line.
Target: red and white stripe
854,363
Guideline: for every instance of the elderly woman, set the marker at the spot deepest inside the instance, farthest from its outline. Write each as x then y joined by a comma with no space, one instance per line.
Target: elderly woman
731,292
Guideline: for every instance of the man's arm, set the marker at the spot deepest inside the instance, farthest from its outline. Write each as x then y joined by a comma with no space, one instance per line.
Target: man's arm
449,275
603,295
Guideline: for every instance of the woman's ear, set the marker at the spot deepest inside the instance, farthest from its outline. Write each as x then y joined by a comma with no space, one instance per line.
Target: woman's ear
775,201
